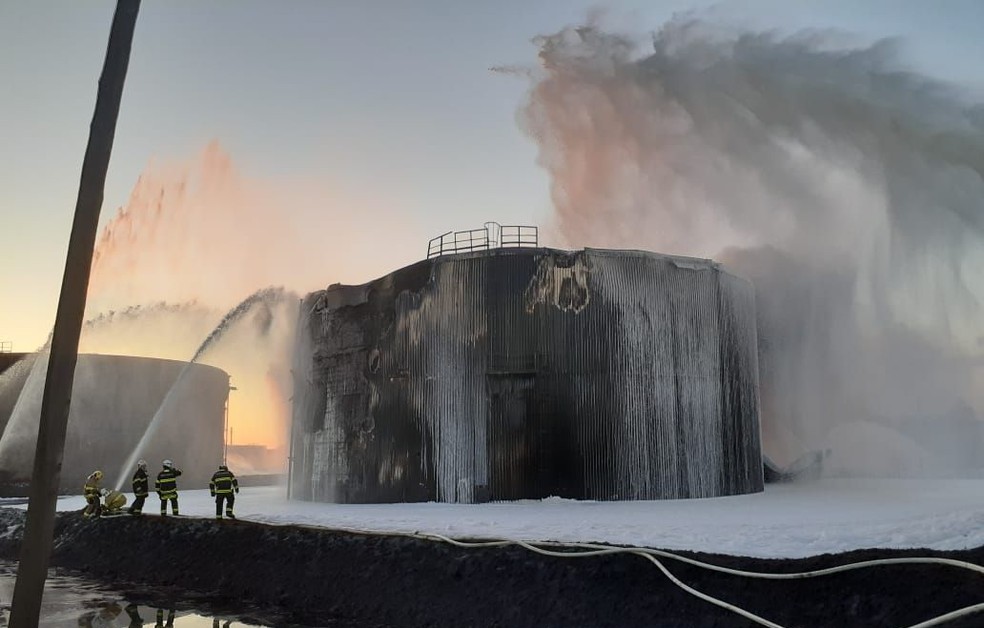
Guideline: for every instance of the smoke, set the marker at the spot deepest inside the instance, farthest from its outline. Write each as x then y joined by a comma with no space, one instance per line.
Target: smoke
847,187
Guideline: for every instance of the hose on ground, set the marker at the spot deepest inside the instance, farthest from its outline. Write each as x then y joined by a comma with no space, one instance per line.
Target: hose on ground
650,554
587,550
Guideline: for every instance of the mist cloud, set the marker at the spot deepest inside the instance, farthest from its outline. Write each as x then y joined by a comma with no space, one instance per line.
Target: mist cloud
848,188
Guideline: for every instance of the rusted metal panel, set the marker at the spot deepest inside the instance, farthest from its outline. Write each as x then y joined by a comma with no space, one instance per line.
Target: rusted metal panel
525,373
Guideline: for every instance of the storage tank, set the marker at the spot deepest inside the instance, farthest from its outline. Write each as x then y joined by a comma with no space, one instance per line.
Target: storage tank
14,368
515,373
114,399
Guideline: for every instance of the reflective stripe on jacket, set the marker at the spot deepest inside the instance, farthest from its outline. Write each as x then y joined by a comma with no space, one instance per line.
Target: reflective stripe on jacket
223,482
167,484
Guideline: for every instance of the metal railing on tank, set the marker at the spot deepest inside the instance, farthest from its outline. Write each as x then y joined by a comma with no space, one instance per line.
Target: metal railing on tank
491,236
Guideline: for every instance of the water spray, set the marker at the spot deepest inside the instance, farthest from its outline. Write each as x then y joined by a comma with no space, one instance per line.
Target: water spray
22,427
844,185
269,297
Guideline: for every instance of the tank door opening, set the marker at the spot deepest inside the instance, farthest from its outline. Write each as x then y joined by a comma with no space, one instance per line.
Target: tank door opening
511,439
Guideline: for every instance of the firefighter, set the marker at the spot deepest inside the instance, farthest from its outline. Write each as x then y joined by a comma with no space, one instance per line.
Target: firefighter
133,612
167,487
160,618
141,488
92,494
224,486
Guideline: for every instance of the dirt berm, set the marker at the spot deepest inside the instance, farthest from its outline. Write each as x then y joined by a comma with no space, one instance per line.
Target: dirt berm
323,578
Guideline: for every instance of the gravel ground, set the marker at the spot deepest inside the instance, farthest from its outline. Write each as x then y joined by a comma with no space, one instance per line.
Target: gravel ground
324,578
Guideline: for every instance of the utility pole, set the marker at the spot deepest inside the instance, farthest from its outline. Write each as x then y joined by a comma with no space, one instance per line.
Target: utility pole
227,430
36,545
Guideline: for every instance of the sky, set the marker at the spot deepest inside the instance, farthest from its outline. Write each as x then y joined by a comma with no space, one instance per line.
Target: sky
393,103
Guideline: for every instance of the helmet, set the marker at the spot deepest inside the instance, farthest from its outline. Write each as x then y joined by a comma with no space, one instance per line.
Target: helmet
223,467
142,464
168,463
97,475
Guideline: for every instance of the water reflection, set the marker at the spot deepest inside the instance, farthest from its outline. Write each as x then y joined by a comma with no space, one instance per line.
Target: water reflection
73,602
111,615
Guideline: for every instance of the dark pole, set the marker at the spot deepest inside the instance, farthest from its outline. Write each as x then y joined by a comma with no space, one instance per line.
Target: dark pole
36,545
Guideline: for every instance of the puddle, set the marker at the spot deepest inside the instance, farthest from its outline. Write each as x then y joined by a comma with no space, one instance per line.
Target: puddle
71,601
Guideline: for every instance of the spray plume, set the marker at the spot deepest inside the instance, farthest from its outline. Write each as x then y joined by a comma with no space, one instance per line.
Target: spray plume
194,238
264,301
202,234
201,231
846,187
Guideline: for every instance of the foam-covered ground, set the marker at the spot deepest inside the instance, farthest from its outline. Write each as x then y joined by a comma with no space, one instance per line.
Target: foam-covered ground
786,521
317,577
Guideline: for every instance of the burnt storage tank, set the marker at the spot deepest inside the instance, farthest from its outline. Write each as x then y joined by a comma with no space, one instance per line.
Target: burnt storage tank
114,399
526,373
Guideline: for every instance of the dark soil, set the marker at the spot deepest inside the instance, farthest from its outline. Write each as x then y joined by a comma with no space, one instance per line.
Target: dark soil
325,578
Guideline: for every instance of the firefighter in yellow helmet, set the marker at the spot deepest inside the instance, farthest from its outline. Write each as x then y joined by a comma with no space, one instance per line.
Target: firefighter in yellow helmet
223,487
92,493
167,487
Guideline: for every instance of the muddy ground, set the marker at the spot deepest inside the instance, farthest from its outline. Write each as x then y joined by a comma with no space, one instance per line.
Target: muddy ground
325,578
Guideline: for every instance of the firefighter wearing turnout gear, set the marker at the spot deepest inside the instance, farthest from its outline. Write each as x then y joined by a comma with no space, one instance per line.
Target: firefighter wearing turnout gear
141,488
92,494
160,618
224,487
167,487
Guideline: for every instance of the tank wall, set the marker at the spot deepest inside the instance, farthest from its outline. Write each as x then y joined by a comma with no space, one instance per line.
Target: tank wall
114,399
525,374
9,359
14,369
